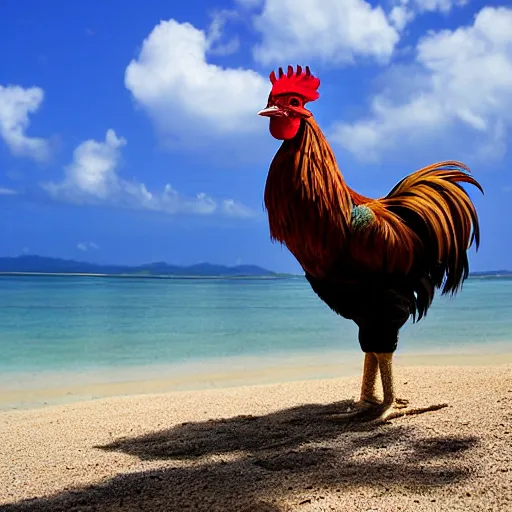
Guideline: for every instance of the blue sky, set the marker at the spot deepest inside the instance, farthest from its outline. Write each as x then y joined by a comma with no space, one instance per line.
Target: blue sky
128,131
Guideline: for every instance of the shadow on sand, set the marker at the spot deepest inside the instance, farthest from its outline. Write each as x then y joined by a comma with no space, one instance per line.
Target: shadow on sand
250,463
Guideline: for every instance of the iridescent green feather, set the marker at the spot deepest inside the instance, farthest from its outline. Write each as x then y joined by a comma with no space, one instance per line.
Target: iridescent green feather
362,217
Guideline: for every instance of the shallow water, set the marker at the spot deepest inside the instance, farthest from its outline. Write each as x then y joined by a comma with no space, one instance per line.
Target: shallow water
51,326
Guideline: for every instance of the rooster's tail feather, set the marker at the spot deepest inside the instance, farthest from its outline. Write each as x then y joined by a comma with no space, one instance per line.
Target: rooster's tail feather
439,211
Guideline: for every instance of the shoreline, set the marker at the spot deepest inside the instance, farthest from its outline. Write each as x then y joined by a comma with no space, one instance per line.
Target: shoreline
271,448
32,390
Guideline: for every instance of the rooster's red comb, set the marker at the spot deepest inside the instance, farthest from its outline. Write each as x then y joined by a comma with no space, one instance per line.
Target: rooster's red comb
297,81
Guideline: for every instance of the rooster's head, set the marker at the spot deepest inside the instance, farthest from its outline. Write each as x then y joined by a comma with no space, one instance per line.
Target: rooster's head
285,107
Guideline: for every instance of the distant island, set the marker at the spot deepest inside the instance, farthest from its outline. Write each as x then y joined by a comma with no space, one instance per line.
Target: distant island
31,264
41,265
492,273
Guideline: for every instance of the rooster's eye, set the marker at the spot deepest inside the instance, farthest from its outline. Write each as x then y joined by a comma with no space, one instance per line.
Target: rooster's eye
294,102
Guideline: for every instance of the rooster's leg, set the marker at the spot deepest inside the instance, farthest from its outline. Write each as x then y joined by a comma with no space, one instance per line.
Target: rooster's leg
385,362
368,386
368,400
390,407
390,403
369,406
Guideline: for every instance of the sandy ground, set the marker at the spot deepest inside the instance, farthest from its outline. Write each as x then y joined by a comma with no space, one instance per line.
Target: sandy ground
280,447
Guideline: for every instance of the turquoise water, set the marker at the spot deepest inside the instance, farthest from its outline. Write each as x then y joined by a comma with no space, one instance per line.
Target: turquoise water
84,323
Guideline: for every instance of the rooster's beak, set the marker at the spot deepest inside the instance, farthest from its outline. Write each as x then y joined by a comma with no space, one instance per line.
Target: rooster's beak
272,111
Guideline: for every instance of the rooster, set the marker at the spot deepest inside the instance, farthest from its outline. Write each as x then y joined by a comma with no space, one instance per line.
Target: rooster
376,262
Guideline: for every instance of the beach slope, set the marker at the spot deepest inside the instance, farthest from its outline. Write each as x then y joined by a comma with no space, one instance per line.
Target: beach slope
269,448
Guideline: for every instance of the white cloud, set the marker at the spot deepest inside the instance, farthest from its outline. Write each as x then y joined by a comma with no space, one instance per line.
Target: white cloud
232,208
462,94
215,34
187,97
7,191
444,6
92,178
400,16
405,10
333,31
86,246
92,174
16,103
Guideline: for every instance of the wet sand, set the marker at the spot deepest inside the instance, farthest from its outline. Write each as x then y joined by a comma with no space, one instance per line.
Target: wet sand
29,391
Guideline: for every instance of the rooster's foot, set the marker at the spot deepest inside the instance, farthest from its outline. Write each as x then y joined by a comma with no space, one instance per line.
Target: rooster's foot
373,410
376,413
361,407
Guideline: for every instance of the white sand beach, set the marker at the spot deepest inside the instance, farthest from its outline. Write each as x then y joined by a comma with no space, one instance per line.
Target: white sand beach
273,447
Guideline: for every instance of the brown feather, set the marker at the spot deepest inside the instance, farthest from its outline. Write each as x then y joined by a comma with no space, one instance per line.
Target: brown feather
308,203
419,235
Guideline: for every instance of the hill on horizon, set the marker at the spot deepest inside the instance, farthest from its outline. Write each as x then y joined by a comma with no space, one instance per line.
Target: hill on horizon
43,264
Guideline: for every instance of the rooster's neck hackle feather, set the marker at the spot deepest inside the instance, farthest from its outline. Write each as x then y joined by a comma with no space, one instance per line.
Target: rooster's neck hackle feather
307,200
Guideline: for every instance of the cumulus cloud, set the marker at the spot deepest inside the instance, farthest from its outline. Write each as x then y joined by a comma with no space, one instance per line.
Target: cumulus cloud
333,31
188,97
92,178
462,94
92,175
400,16
16,103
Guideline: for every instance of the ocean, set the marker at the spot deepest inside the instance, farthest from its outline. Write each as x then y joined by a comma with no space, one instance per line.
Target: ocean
57,331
